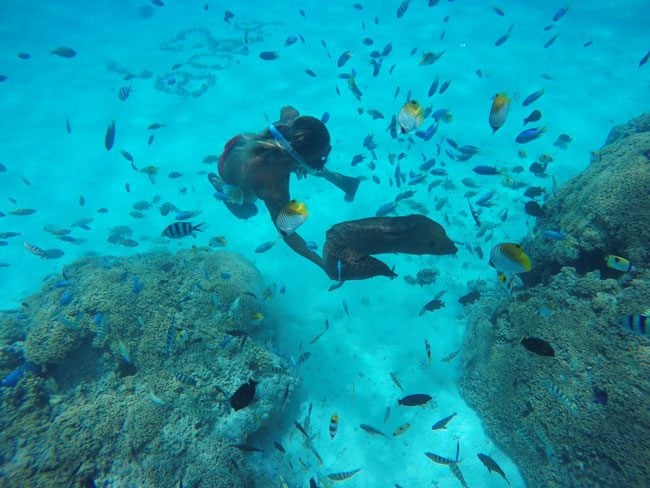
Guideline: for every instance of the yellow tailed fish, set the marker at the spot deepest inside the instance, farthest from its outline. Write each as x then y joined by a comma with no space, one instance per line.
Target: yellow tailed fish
499,111
410,117
292,216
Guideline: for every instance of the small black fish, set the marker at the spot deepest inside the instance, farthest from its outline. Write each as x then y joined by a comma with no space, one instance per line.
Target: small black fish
534,209
126,155
442,423
414,400
279,447
244,395
403,7
471,297
64,52
538,169
644,59
550,42
343,58
534,116
560,13
491,465
434,304
227,15
247,448
269,55
502,39
181,229
534,191
532,97
301,429
600,396
538,346
109,138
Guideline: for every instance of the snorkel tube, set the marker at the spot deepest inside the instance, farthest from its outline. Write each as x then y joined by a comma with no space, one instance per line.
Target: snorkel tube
347,184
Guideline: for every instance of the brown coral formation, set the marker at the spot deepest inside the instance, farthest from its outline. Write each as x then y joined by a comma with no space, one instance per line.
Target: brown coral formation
579,418
605,210
129,383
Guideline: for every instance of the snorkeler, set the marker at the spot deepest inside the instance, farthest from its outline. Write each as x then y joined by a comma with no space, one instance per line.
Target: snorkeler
259,166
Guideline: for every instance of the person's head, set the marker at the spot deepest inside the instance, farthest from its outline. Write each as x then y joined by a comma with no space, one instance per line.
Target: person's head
310,138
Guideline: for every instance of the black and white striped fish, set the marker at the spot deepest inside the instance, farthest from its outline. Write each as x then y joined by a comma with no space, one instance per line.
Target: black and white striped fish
124,92
181,229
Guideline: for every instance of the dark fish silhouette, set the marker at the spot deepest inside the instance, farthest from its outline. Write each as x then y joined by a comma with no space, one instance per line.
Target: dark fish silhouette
243,396
533,209
403,7
442,423
644,59
491,465
269,55
471,297
538,346
109,138
532,97
414,400
64,52
372,430
434,304
534,116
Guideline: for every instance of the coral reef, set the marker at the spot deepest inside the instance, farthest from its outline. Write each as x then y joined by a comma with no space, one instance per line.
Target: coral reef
604,210
579,418
127,368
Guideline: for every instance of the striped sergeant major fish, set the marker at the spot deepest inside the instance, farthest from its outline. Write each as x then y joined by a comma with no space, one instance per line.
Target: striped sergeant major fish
636,323
181,229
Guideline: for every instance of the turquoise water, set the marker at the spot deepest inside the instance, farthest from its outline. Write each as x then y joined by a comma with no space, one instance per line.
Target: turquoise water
587,90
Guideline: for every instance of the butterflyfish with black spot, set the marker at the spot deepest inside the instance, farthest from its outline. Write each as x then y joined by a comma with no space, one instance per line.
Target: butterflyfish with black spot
292,216
509,258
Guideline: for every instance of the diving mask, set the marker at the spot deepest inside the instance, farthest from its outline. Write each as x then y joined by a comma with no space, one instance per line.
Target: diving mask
303,167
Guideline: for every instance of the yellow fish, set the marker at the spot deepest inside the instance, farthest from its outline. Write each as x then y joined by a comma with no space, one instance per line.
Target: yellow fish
334,425
499,111
410,116
401,429
256,318
618,263
509,258
292,216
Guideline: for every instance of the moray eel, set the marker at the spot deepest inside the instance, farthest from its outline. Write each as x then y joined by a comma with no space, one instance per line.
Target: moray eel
353,243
